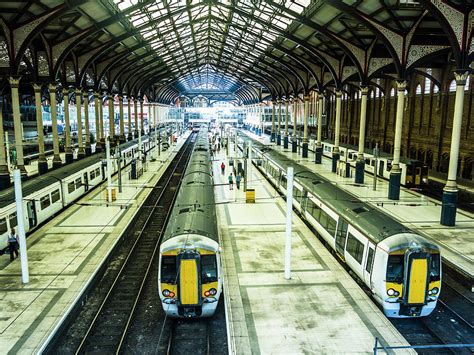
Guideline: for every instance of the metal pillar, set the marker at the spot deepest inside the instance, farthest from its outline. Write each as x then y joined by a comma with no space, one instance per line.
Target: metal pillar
57,162
450,191
294,143
42,162
110,99
4,155
360,163
97,108
88,148
318,156
335,153
121,125
135,106
80,152
101,122
272,137
18,131
129,105
395,173
142,127
305,127
285,137
279,124
67,130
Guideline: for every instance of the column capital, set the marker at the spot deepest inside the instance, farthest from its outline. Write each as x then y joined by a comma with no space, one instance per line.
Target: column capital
96,94
14,81
120,97
65,91
338,93
307,98
110,96
37,87
461,77
364,90
52,87
402,85
78,91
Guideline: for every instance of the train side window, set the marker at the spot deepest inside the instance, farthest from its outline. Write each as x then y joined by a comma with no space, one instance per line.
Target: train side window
323,219
208,268
168,269
331,228
434,267
13,220
395,268
283,181
370,261
78,183
71,187
97,172
355,248
55,196
92,174
45,202
3,225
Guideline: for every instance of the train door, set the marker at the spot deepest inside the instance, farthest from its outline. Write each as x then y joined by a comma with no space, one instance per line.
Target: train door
418,175
369,263
341,235
381,167
86,182
31,210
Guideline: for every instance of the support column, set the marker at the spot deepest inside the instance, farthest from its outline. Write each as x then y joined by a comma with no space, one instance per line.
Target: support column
135,104
97,108
272,136
335,153
305,127
142,128
450,191
395,173
110,99
5,181
67,127
279,124
18,131
129,104
42,162
86,122
360,163
318,154
57,162
101,122
285,137
122,128
80,152
294,143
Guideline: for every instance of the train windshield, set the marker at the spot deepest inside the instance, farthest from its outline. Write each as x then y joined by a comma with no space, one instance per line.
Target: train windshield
395,268
435,267
168,269
208,268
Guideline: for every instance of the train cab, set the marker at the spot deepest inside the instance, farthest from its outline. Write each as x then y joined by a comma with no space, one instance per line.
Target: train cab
416,174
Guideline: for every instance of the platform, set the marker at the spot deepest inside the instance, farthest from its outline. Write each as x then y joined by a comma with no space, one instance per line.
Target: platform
414,210
320,310
64,255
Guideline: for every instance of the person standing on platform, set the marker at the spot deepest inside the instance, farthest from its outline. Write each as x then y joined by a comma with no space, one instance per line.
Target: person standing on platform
222,168
231,182
238,178
13,244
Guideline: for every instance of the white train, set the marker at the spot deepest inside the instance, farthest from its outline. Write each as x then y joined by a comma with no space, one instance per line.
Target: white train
401,268
46,195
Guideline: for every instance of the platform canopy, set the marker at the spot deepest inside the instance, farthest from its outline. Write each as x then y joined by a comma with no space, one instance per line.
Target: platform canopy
244,49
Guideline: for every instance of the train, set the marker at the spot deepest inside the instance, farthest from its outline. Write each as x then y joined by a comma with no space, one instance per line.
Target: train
189,275
401,268
413,172
46,195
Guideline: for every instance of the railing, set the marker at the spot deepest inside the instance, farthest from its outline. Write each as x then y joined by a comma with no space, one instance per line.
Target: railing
379,346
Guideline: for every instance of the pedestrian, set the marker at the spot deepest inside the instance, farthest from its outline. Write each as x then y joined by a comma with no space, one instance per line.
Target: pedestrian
13,244
231,182
222,168
237,181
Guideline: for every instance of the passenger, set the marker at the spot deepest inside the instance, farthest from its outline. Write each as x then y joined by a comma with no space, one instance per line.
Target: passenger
13,244
223,168
231,182
237,181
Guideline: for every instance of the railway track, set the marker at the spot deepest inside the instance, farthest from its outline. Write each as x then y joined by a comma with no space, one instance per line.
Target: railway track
103,327
189,336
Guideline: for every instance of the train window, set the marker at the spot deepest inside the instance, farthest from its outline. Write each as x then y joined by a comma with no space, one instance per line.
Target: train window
13,220
355,248
434,267
3,225
55,196
331,228
208,268
313,209
370,261
283,181
297,195
45,202
92,174
168,269
71,187
323,219
97,172
78,183
395,268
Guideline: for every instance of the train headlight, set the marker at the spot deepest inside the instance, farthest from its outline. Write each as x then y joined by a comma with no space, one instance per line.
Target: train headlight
212,291
391,292
166,293
434,291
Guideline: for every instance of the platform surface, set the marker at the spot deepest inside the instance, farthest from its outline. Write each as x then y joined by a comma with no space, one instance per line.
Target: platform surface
63,256
321,310
416,211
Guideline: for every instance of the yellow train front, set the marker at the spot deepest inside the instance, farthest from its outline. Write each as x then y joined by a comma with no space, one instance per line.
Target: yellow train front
190,281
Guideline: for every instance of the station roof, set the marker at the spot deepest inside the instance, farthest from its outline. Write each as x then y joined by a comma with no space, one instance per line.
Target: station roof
244,48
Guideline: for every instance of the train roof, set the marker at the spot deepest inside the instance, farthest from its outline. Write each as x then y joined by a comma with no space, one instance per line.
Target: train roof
40,182
376,224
